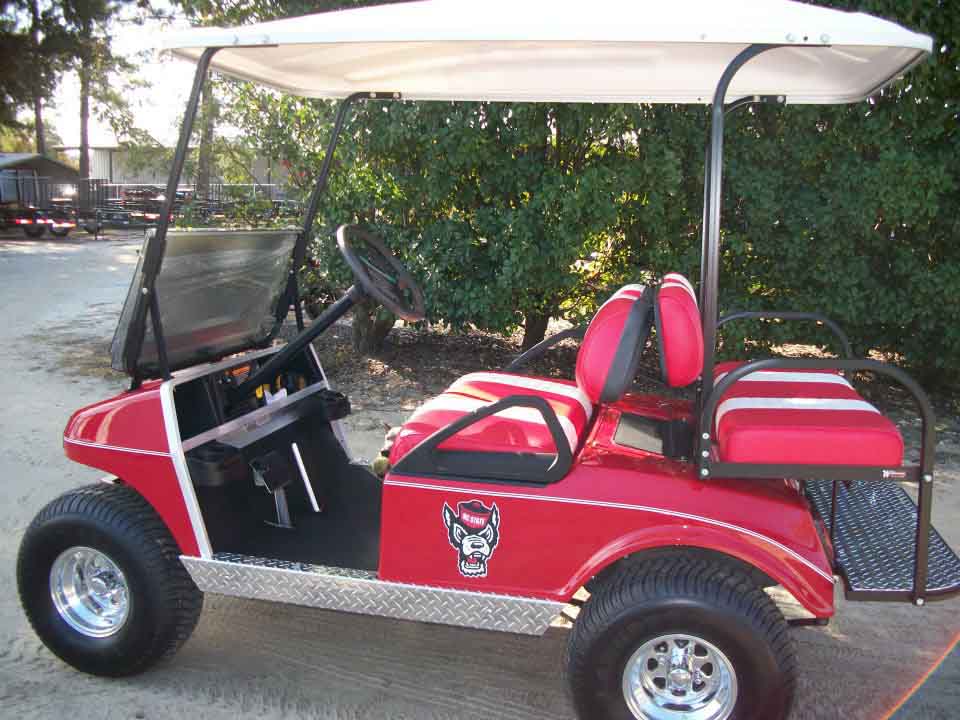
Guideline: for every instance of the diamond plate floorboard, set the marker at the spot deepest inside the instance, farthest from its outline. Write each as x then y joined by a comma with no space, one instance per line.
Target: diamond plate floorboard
875,538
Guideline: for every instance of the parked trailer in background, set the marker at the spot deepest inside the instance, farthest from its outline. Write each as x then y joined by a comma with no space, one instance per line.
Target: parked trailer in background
35,222
128,206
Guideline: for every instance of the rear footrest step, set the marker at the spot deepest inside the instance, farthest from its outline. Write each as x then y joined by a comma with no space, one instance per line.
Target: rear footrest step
875,540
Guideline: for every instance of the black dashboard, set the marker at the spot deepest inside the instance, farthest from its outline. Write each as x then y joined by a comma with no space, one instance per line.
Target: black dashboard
211,400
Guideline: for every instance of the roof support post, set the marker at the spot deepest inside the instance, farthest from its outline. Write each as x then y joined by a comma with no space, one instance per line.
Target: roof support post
179,157
704,225
313,204
154,249
713,186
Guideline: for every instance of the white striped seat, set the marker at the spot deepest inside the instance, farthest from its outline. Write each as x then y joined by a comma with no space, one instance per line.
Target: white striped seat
516,429
806,417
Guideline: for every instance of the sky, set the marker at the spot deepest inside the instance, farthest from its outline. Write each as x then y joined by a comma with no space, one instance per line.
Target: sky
157,109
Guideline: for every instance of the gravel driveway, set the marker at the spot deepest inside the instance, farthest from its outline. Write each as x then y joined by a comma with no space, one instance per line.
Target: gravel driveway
253,659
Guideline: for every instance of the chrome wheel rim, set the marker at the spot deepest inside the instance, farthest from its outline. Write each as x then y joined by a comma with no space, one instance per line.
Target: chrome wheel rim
679,676
89,591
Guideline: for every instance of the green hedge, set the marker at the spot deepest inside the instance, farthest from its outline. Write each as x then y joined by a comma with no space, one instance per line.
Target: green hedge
511,213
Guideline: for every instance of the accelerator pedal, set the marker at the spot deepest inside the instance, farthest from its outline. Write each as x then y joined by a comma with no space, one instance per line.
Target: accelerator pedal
274,473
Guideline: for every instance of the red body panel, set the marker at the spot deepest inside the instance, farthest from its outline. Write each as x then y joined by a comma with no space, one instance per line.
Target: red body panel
616,501
543,541
126,436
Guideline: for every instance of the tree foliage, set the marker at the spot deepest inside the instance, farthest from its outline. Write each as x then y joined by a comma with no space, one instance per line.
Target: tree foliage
34,46
40,40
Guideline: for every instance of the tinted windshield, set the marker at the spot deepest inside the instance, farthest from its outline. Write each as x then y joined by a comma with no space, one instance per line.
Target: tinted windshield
218,292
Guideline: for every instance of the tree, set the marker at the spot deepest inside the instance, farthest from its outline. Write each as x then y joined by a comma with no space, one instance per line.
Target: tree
218,12
512,213
34,47
88,23
851,210
15,90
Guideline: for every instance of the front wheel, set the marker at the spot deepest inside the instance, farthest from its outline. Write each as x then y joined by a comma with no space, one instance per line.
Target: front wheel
102,584
681,638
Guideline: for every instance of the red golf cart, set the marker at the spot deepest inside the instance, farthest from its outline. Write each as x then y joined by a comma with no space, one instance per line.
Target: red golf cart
656,524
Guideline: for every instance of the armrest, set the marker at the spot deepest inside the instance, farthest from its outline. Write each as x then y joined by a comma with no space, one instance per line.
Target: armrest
791,315
541,347
427,459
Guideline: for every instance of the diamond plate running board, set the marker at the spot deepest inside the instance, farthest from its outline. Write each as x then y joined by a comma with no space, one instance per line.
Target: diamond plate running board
359,591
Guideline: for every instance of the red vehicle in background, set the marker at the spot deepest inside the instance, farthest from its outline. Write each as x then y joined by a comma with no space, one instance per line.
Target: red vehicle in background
653,524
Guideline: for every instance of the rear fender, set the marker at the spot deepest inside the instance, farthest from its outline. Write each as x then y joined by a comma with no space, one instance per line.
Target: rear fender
810,585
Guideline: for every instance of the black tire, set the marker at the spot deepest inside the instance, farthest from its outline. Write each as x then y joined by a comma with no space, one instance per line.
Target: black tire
164,603
60,232
684,595
34,231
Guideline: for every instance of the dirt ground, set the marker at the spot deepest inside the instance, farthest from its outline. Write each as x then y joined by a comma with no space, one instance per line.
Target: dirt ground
254,659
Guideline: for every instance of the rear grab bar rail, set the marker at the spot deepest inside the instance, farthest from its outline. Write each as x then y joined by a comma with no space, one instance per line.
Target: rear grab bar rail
818,318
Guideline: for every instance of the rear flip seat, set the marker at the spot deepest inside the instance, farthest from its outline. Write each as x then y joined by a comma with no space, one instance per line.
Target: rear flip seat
774,417
808,417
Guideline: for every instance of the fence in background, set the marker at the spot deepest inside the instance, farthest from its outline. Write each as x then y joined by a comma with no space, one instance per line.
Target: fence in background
42,192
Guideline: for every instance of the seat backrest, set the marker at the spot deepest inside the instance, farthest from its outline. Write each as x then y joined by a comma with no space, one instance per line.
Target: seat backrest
611,348
679,332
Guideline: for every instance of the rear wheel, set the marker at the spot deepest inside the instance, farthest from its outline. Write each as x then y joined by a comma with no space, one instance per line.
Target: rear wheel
34,231
102,584
679,638
59,231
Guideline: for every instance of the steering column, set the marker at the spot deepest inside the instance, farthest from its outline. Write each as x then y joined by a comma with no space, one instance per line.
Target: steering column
379,276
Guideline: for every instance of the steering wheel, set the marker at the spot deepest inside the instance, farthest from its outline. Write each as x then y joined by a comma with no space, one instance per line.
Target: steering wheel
379,274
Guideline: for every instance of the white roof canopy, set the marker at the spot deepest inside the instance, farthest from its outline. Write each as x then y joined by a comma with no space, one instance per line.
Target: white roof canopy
667,51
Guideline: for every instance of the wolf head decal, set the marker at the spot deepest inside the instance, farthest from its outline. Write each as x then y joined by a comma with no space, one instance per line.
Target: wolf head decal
473,531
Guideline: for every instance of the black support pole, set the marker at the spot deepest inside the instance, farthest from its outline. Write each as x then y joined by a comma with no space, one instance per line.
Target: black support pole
180,154
710,269
704,225
154,250
314,202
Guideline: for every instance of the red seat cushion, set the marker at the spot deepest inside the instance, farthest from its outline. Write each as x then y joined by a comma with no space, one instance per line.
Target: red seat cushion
611,347
802,417
679,331
606,364
517,429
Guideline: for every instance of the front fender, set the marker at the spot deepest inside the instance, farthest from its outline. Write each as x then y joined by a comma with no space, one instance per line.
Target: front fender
126,436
